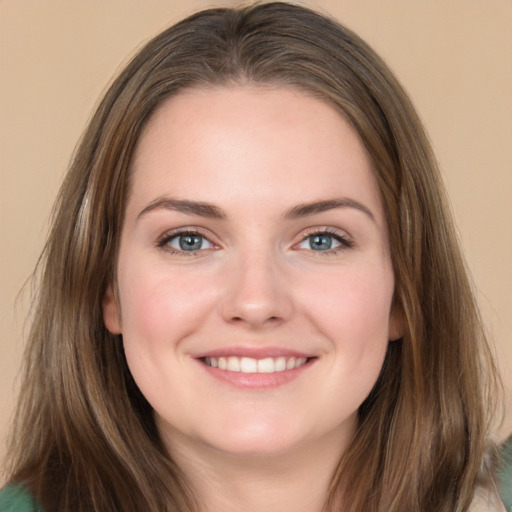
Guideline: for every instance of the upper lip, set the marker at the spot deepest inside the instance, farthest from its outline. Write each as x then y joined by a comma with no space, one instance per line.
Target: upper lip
253,352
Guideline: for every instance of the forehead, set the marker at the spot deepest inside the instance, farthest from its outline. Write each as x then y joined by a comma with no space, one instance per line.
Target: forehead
267,141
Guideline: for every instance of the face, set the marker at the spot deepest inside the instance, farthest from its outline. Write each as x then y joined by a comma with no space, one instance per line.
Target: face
254,278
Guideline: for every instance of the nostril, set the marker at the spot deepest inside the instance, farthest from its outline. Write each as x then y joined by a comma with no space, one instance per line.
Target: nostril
271,319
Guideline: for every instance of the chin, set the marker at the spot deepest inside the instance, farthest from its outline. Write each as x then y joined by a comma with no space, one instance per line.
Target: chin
260,439
255,447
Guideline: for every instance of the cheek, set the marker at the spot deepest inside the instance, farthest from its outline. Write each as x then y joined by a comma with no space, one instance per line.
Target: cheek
352,299
159,310
161,307
352,311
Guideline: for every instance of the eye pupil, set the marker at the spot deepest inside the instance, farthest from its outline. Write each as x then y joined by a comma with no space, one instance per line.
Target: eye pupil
320,242
190,242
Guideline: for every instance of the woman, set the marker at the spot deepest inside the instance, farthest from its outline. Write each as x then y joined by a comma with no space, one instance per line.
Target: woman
252,296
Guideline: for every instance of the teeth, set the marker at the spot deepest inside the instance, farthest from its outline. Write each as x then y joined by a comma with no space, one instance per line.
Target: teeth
233,364
280,364
250,365
266,365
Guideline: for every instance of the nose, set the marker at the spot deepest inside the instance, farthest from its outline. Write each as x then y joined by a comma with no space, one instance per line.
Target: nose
257,294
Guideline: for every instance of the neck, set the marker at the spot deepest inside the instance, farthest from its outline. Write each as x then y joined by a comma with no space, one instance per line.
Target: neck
297,480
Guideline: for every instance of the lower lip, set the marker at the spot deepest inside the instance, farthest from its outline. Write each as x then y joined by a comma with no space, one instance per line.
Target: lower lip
256,380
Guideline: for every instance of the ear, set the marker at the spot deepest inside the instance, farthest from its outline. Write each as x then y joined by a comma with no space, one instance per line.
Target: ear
396,322
111,313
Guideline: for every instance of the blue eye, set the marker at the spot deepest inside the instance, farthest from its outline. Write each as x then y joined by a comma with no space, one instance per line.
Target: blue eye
188,242
324,241
320,242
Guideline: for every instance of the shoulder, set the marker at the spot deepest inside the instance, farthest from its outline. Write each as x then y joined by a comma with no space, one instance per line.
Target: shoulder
486,501
505,472
15,498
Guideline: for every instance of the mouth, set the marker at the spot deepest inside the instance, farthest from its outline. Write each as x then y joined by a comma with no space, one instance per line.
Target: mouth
252,365
257,369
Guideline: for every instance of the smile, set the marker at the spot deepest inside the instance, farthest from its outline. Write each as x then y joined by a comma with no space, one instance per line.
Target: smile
250,365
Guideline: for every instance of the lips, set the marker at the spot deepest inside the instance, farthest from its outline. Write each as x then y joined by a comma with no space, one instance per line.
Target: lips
255,367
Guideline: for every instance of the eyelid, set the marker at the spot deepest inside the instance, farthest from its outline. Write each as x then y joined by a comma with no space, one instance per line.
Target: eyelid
325,229
162,241
345,240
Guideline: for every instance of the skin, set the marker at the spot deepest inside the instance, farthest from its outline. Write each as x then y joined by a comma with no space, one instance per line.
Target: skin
258,280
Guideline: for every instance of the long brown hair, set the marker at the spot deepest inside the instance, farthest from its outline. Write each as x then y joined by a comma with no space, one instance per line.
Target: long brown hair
84,436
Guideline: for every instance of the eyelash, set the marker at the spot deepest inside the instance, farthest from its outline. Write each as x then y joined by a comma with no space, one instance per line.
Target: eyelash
168,237
345,242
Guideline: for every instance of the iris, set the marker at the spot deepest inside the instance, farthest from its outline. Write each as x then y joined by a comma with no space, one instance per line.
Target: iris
190,242
320,242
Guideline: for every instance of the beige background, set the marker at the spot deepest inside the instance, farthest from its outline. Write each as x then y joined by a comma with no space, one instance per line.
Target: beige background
454,58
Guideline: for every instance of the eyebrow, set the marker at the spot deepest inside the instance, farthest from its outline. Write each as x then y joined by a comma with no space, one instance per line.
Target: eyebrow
185,206
209,210
305,209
